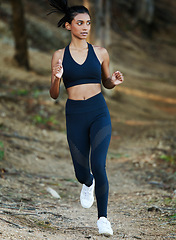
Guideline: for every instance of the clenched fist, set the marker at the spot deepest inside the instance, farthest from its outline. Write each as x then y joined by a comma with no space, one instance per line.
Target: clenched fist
117,78
58,69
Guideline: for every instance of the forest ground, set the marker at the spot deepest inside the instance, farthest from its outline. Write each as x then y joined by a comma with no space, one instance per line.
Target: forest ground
140,161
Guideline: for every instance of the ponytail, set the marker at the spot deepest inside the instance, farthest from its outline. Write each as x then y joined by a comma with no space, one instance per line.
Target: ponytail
70,12
59,6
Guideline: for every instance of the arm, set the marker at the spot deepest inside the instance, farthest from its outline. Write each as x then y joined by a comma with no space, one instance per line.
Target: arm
109,81
57,71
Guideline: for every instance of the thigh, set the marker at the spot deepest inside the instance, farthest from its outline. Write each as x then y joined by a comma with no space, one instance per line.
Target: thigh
100,135
100,132
78,139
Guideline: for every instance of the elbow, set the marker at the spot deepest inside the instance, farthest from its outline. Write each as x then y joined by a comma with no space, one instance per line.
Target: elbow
53,95
107,83
108,87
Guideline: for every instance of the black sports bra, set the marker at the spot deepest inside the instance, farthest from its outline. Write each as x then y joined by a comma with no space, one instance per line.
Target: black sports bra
76,74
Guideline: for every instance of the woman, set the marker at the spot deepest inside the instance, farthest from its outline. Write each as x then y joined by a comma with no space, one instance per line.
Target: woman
88,123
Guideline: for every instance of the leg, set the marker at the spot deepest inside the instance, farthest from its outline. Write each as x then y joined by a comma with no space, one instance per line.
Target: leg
79,144
100,134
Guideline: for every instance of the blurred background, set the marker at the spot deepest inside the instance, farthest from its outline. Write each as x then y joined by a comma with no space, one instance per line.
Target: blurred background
140,36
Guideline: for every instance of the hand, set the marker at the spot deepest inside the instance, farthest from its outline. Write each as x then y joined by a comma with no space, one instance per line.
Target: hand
58,69
117,78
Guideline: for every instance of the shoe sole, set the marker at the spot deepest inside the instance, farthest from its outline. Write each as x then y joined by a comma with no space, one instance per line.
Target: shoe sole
106,234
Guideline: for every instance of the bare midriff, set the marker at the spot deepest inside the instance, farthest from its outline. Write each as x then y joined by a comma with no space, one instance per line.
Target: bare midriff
83,91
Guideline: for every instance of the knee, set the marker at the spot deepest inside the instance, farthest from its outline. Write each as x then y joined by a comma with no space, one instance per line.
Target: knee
98,170
81,178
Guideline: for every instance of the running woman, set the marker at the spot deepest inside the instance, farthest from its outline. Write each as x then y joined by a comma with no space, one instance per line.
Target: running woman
82,67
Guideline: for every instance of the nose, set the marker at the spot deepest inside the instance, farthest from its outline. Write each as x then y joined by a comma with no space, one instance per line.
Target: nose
85,26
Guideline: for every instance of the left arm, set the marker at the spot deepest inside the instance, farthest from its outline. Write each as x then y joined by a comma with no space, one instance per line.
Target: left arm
108,80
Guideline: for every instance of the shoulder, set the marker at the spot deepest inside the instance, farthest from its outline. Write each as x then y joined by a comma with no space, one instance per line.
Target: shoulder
100,49
101,52
58,55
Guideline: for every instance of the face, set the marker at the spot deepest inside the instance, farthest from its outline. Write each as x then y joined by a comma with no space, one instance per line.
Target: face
80,26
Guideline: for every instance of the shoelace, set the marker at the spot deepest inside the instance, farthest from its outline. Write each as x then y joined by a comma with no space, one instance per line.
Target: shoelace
105,222
87,190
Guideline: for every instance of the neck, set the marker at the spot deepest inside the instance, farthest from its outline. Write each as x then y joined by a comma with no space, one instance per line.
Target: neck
78,43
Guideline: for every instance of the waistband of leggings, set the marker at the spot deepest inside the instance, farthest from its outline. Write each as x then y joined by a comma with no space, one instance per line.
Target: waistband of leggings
80,106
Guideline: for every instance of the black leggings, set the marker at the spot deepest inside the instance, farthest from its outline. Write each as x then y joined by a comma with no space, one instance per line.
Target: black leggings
89,127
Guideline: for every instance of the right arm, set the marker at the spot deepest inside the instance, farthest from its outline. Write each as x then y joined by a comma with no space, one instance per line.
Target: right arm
57,71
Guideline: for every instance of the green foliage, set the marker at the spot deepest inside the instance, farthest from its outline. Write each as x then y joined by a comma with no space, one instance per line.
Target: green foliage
173,216
1,151
37,119
168,201
41,120
53,120
20,92
171,159
2,126
36,93
116,155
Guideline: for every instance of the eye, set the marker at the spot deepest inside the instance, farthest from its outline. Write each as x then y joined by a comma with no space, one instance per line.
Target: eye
88,23
79,23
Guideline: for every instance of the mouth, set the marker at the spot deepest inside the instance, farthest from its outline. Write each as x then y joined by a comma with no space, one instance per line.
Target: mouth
84,33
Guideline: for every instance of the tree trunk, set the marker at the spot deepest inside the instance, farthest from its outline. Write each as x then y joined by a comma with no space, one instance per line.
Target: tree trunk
86,3
99,22
21,50
107,30
145,10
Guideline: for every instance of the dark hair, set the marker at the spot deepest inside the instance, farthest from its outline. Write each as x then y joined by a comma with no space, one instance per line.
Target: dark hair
70,12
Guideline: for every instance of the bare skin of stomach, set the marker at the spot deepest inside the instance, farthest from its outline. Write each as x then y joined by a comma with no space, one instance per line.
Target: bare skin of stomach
83,91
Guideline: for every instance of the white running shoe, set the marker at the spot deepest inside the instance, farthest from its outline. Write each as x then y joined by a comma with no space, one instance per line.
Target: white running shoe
104,227
87,195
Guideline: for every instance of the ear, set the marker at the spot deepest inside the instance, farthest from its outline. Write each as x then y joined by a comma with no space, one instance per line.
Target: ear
68,26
